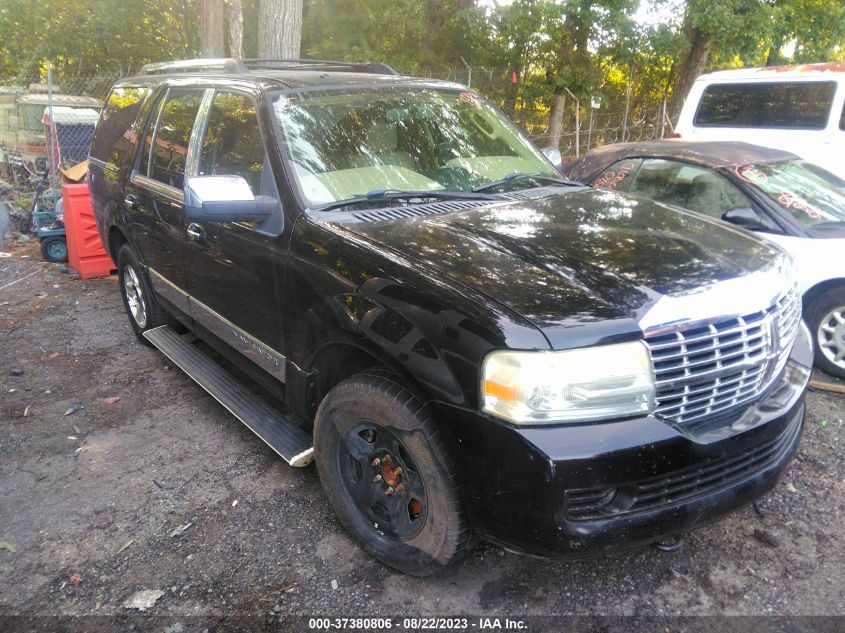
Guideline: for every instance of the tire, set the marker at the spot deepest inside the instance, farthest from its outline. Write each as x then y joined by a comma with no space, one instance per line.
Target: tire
421,528
825,317
54,249
150,314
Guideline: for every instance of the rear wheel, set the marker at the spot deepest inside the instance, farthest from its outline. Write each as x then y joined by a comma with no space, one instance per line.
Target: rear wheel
143,310
387,473
54,249
825,317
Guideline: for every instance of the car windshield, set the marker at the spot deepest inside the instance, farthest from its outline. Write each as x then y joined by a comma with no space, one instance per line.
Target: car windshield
812,195
348,144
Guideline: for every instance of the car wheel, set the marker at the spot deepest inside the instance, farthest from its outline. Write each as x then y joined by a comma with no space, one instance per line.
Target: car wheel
54,249
825,317
388,474
143,310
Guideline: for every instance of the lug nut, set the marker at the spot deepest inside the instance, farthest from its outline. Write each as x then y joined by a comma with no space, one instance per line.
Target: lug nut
400,488
389,491
376,461
386,459
377,478
397,471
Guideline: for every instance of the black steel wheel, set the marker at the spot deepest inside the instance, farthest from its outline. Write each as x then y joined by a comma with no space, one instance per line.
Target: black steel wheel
382,479
389,475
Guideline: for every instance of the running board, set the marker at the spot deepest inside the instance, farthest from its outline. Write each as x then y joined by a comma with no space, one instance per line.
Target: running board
290,441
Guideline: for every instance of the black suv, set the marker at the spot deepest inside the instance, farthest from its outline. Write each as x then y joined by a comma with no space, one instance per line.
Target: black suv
483,346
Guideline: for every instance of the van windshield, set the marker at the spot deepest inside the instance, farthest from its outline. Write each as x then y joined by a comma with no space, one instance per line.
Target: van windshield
812,195
344,145
801,105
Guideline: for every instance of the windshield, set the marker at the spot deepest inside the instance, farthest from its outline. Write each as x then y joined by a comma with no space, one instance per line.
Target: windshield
812,195
344,144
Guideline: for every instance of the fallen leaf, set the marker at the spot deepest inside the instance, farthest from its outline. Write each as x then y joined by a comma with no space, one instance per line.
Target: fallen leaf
7,546
179,530
143,600
75,578
823,424
112,399
791,488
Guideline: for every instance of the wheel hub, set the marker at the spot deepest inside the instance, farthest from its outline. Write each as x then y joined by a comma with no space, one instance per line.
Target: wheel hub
831,336
382,480
134,296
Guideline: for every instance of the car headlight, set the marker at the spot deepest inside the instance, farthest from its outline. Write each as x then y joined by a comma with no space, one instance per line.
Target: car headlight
591,383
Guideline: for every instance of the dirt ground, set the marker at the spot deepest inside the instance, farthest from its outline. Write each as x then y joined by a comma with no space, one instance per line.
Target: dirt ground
92,489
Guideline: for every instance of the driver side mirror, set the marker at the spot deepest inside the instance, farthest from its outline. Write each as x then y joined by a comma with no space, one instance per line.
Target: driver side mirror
745,217
225,199
554,156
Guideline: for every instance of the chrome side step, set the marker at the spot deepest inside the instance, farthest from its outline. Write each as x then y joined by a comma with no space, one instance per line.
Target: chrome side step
290,441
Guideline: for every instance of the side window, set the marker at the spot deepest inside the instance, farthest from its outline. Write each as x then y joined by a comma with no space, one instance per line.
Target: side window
617,177
842,118
114,141
232,144
149,132
172,137
687,186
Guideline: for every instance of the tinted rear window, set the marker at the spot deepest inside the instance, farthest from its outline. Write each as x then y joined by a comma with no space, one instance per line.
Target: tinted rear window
798,105
114,141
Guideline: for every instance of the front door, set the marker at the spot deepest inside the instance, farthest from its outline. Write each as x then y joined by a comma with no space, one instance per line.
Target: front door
235,270
155,192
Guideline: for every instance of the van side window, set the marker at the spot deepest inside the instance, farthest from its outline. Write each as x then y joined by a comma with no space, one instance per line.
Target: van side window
792,105
172,137
232,145
115,139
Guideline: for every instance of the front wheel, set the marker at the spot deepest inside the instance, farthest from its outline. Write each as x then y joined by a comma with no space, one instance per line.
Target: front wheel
825,317
388,474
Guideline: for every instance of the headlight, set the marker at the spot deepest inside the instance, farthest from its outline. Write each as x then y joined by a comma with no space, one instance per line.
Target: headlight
592,383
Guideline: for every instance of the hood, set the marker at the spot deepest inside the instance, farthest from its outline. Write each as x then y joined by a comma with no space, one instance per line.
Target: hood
582,259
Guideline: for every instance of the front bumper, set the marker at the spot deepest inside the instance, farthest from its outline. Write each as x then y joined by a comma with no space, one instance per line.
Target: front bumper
575,491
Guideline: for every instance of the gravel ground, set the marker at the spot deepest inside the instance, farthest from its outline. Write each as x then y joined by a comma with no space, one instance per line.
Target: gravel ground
94,493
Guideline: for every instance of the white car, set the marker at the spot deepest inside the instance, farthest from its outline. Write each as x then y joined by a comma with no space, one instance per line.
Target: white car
792,202
800,109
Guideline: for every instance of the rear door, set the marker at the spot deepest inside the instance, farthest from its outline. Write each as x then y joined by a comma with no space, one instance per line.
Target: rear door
155,192
235,270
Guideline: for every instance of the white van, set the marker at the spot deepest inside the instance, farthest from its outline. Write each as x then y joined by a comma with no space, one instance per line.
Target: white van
800,109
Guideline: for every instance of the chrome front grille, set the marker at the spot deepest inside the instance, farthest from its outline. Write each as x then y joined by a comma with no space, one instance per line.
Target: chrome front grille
717,367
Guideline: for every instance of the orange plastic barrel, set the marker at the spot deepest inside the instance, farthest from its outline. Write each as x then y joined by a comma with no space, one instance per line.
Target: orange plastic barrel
85,251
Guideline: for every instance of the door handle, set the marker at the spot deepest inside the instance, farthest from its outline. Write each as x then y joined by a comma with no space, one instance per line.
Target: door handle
195,232
130,202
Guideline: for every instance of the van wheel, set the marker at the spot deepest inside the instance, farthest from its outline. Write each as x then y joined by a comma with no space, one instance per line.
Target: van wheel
143,310
826,319
388,474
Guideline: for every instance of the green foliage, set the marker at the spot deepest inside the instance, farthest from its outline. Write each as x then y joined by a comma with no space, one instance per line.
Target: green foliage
591,47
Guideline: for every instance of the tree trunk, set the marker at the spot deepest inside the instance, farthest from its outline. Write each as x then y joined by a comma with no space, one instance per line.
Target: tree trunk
691,66
555,129
279,28
235,19
211,28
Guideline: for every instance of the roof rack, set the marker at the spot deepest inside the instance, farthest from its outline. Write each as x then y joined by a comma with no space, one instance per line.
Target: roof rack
243,66
319,64
227,65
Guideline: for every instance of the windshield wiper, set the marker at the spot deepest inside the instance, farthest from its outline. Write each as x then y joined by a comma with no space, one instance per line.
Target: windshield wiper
380,195
518,175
